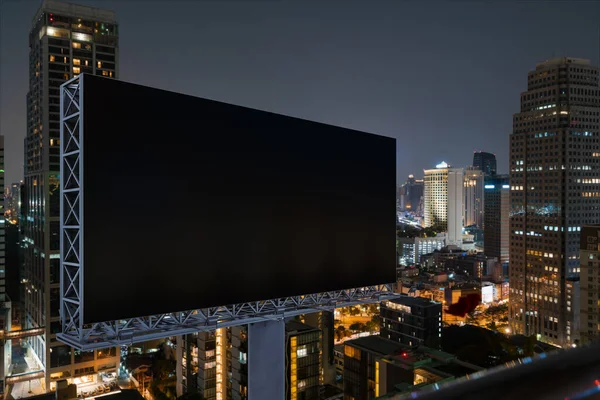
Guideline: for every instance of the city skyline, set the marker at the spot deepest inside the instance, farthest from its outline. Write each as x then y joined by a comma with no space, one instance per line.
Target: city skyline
317,74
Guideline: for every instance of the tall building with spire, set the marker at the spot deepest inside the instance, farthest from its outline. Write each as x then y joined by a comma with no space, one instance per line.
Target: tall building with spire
65,40
555,190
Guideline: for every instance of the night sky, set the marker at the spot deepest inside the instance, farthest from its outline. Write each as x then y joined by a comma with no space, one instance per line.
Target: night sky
443,77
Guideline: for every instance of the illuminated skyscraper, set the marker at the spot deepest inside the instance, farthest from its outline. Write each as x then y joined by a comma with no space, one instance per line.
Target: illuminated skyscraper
555,189
443,197
65,40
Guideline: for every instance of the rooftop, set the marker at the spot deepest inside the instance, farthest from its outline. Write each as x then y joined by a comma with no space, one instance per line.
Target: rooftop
413,301
75,10
376,344
563,60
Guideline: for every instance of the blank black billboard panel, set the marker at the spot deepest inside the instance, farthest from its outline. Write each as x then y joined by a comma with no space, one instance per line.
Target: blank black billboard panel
192,203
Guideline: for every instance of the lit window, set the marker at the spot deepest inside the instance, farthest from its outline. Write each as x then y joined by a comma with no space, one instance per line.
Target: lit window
76,61
302,352
110,74
86,63
52,58
104,73
76,45
99,64
76,70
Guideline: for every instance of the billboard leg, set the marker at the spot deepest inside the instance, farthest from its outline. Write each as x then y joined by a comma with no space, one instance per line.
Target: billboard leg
266,360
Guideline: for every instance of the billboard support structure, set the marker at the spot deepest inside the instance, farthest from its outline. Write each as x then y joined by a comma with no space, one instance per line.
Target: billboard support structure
127,331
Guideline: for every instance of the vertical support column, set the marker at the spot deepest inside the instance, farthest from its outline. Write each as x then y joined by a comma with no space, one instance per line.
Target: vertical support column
180,352
266,360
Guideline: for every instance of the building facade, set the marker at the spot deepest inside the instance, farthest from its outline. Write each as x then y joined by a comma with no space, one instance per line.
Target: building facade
474,199
554,162
303,361
443,200
496,222
485,162
589,327
65,40
412,321
411,249
456,207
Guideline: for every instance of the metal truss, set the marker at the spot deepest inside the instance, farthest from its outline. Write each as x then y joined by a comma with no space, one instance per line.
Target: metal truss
123,332
126,332
71,207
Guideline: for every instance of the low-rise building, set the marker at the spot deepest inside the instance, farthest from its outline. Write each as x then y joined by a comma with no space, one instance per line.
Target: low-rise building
412,321
375,367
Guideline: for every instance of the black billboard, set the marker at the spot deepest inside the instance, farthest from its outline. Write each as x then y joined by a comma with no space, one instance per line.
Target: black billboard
192,203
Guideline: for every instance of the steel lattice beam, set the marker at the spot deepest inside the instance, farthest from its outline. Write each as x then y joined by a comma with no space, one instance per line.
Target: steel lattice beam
122,332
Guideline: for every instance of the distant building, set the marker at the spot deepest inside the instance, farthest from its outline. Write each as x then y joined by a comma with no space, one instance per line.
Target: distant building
485,162
12,202
411,249
375,366
410,194
496,222
412,321
304,361
589,329
443,200
474,199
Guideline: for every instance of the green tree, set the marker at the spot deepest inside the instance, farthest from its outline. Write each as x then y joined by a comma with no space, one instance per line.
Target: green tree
372,326
354,311
355,327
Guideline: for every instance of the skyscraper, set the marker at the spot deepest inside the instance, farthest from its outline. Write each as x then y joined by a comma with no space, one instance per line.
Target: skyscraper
485,162
65,40
474,200
496,229
554,161
443,198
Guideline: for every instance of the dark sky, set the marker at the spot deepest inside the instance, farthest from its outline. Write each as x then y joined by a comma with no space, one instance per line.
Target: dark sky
443,77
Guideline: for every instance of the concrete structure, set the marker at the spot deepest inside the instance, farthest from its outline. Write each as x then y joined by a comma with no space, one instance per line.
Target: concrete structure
65,40
474,198
485,162
443,200
412,321
589,328
496,222
554,191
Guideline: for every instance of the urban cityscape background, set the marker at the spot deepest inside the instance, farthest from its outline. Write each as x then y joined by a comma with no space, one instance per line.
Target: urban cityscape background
497,195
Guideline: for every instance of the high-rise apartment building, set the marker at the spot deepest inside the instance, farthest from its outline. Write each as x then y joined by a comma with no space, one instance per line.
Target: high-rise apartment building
474,199
443,200
496,227
485,162
65,40
555,190
589,327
